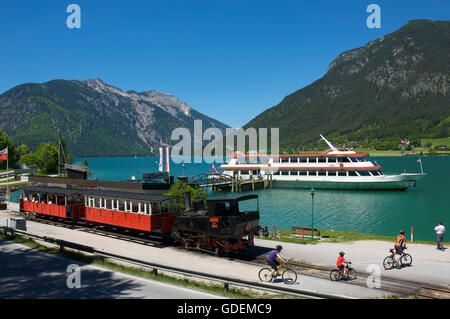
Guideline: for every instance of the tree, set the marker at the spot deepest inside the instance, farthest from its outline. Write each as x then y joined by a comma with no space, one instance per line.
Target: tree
30,160
6,142
179,189
48,157
22,150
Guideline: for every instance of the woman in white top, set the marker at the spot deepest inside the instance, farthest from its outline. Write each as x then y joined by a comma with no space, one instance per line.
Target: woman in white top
440,230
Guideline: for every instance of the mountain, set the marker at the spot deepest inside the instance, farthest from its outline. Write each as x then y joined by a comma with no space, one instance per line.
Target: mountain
394,87
95,118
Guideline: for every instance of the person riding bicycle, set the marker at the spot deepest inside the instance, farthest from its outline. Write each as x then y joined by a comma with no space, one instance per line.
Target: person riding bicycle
339,263
272,259
400,244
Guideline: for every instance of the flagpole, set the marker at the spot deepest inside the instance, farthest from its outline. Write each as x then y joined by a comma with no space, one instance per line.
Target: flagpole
421,168
7,171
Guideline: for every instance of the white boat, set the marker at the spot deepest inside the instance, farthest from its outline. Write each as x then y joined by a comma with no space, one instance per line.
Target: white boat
334,169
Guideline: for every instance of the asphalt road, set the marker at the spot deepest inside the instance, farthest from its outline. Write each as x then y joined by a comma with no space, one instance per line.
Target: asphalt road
32,274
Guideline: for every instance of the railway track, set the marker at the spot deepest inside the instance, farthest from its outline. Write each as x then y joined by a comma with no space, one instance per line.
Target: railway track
401,288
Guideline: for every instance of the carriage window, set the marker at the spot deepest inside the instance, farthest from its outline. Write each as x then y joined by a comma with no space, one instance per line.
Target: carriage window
134,207
164,207
108,204
155,208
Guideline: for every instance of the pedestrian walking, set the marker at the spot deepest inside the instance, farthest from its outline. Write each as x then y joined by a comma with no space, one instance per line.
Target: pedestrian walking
440,230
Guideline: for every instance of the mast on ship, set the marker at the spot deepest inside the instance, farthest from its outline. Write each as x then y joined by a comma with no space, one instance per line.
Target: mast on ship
333,149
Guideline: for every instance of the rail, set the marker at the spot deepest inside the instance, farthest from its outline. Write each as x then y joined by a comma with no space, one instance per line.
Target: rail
226,281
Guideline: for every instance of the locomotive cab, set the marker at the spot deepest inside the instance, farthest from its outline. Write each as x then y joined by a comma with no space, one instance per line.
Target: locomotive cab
228,223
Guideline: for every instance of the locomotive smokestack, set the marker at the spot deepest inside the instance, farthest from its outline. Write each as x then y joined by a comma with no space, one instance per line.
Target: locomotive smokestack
187,200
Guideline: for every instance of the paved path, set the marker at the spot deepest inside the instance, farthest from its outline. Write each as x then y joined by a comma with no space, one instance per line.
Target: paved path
28,273
194,260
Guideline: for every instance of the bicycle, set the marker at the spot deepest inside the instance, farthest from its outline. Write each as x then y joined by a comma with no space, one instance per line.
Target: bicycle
390,261
288,275
338,274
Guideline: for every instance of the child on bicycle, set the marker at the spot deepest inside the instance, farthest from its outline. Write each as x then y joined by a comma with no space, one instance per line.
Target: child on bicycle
272,260
339,263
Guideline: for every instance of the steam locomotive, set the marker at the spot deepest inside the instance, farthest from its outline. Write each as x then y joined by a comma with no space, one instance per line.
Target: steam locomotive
224,225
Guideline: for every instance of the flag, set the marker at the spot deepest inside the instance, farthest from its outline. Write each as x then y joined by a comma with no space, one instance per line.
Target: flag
419,161
160,159
212,169
4,154
167,160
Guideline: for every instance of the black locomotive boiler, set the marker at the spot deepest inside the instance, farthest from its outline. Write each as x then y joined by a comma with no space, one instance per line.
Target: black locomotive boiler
226,224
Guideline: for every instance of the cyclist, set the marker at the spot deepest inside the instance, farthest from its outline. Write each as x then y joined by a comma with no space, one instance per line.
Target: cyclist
272,259
400,244
339,264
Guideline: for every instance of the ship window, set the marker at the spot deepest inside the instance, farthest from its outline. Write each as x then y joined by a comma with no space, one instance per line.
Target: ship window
276,173
364,173
313,173
244,172
352,173
303,159
332,173
342,173
303,173
285,173
322,159
312,160
343,160
322,173
284,160
332,159
294,173
354,160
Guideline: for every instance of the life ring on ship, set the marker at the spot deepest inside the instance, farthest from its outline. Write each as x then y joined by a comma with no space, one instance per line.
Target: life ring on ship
341,166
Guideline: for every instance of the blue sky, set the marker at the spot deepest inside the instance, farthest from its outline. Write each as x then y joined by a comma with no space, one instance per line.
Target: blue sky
230,59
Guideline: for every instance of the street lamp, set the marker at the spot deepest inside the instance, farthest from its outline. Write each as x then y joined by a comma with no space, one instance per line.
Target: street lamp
312,213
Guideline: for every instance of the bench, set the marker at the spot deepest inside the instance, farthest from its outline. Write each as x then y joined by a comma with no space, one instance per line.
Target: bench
305,232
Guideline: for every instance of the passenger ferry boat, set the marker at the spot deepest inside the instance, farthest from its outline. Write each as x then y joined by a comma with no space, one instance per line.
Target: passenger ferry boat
335,169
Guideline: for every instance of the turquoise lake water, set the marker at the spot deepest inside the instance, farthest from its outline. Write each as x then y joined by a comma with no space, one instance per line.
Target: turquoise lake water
376,212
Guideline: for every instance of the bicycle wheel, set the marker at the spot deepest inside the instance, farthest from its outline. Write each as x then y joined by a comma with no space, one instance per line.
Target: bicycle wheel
264,275
289,276
388,262
406,260
334,274
352,274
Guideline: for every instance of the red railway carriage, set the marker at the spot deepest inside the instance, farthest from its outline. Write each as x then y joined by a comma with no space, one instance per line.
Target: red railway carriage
53,201
147,212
